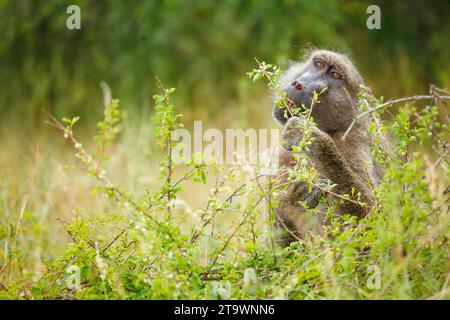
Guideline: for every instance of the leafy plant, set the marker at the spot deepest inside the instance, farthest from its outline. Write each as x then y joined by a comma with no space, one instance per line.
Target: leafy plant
140,248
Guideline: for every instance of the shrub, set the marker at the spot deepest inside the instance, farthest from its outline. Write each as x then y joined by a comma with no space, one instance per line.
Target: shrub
142,249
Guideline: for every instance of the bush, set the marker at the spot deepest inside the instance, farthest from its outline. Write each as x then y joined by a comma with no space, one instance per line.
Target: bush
151,247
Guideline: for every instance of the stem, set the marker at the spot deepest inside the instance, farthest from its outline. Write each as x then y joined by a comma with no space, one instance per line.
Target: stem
389,103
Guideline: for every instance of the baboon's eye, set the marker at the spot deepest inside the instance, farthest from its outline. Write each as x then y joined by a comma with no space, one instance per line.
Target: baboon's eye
319,64
336,75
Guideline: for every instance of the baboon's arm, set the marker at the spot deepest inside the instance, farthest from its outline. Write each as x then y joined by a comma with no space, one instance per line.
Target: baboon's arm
328,161
332,164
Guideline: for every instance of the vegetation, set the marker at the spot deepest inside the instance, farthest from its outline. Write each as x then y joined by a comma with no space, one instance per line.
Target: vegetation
139,247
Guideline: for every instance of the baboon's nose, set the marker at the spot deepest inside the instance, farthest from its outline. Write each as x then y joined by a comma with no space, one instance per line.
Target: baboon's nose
297,85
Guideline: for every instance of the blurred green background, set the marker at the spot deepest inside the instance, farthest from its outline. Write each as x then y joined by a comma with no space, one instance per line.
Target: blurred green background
204,48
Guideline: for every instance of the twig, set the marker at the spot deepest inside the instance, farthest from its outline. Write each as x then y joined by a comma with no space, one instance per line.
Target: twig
235,191
389,103
127,228
67,223
213,193
119,195
442,157
236,230
277,216
169,145
185,177
274,85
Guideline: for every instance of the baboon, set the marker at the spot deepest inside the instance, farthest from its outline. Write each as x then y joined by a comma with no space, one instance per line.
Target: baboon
347,163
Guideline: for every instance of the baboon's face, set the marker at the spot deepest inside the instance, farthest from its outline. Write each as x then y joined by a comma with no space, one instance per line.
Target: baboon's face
324,70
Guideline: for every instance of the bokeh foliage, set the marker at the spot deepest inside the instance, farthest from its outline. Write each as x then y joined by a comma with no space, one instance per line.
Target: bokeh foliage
204,49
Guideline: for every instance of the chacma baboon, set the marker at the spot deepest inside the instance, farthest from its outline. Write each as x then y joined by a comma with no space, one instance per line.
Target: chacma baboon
347,163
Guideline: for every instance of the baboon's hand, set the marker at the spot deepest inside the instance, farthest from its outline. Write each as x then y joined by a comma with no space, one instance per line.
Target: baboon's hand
292,133
299,191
